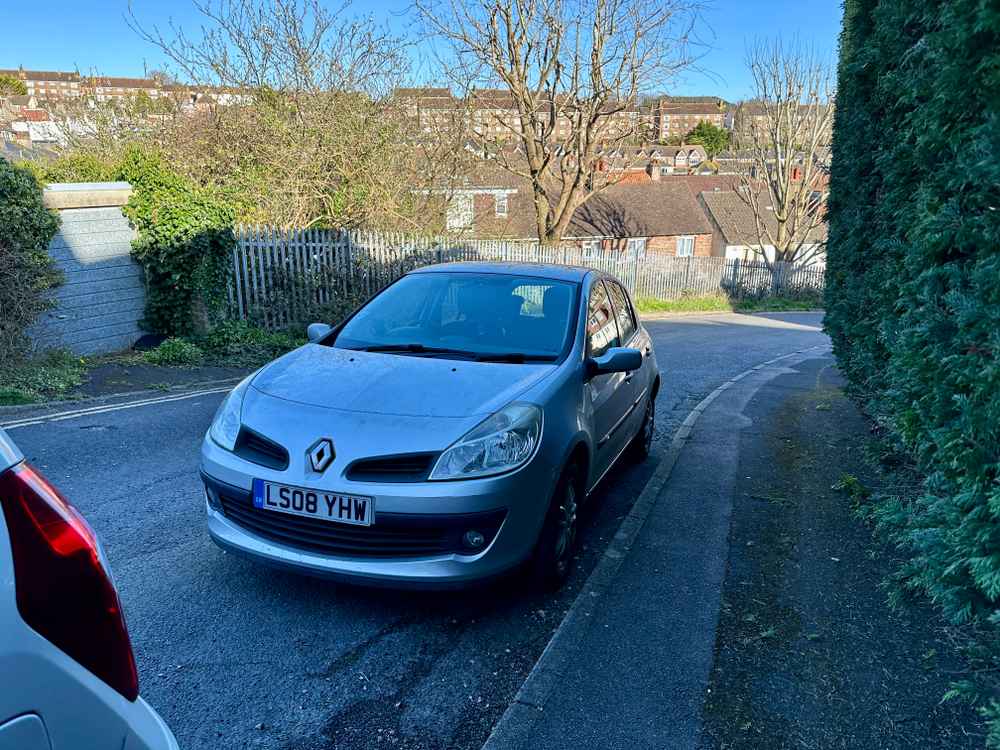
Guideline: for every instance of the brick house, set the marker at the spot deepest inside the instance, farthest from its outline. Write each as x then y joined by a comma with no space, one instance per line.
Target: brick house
649,218
658,218
675,117
48,85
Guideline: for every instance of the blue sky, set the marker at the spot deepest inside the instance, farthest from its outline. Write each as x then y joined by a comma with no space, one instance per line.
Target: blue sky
93,35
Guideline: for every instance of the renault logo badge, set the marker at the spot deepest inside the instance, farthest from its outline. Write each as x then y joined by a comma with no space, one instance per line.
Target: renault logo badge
321,454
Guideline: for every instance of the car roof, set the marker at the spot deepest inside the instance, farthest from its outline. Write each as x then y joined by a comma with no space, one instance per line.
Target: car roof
539,270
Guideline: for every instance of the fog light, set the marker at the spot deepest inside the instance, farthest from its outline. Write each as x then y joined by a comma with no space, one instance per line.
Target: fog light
473,539
213,500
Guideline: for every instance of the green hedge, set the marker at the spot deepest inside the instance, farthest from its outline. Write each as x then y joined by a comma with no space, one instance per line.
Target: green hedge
913,274
27,271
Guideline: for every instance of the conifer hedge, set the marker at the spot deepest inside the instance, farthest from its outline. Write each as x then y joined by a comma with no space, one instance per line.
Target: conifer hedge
913,279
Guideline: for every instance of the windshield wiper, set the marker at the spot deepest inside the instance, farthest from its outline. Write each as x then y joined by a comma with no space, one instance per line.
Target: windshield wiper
515,357
416,349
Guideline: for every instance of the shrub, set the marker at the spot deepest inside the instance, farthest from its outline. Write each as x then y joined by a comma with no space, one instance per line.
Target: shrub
175,351
237,343
27,271
184,243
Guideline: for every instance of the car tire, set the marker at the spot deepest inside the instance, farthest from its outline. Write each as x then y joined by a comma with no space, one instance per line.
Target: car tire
642,443
552,559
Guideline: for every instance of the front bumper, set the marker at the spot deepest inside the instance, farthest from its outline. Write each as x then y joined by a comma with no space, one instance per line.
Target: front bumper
514,504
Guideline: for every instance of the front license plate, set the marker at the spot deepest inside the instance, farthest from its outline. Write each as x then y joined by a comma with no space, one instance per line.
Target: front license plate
327,506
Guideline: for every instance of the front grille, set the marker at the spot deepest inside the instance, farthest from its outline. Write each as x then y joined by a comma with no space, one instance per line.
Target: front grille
259,450
409,467
391,535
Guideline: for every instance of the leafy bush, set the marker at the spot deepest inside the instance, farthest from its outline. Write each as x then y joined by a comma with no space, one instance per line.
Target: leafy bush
11,86
913,279
184,243
239,344
175,351
75,166
27,271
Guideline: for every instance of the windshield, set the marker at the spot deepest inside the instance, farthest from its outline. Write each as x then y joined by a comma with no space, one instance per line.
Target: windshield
466,315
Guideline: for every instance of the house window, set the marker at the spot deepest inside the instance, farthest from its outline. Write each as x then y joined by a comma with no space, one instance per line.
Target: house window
459,212
591,248
636,247
501,205
685,247
667,169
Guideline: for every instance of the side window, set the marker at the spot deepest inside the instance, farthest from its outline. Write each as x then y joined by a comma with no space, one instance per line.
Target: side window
602,333
623,312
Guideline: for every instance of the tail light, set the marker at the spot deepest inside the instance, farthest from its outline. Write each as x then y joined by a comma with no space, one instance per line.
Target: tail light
63,591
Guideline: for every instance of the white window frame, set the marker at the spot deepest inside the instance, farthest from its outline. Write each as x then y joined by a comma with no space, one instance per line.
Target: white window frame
590,248
685,246
501,200
636,247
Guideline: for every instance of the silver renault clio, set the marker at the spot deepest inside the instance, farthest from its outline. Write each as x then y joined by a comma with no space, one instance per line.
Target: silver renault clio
444,433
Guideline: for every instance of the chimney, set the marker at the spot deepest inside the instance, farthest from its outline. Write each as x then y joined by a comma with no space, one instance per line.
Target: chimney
653,168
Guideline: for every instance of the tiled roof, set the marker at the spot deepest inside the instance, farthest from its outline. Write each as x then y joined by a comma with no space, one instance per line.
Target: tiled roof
699,183
655,209
41,75
418,92
34,115
736,221
123,83
691,108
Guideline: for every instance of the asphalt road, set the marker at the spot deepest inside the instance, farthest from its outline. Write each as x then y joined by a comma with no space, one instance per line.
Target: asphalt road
235,655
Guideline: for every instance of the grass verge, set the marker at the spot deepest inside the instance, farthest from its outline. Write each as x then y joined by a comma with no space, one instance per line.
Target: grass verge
722,303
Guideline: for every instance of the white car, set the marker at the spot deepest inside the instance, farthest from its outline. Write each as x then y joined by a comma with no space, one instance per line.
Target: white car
67,675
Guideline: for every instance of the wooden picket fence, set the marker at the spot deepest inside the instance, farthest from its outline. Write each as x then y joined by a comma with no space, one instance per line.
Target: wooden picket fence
283,277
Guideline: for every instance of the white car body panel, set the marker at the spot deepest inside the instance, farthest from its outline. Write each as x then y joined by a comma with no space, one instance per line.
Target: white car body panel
47,700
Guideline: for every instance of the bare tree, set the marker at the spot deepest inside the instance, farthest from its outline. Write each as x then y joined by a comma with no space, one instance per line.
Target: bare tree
783,134
571,73
293,112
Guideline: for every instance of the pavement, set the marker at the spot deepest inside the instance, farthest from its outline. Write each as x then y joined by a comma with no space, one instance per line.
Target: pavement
234,655
635,670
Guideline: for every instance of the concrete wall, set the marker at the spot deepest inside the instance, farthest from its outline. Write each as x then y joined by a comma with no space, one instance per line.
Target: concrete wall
102,299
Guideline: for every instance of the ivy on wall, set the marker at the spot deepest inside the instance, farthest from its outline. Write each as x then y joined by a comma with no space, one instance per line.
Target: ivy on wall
185,242
185,237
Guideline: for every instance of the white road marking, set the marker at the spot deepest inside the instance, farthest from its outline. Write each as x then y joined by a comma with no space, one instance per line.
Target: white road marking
106,408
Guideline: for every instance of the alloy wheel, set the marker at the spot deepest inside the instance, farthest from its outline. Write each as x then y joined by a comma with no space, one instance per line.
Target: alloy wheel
566,532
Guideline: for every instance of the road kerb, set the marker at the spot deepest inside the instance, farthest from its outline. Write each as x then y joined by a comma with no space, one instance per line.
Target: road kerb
518,721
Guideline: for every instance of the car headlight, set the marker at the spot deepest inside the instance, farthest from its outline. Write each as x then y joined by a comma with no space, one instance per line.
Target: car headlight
499,443
226,424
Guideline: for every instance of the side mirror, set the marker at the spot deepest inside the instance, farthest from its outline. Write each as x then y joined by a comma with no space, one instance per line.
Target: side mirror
317,331
615,359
